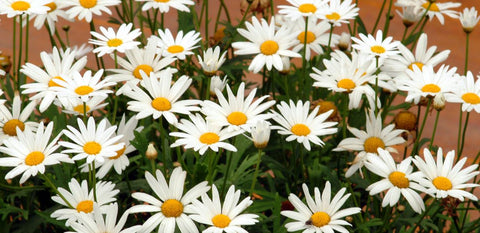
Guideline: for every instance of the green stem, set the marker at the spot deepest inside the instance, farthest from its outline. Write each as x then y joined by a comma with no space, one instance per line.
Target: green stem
330,38
419,135
304,62
14,46
420,20
387,20
467,44
422,216
227,172
94,171
227,14
404,33
459,136
255,174
376,85
379,16
50,183
20,50
463,135
92,29
27,32
206,20
434,130
52,40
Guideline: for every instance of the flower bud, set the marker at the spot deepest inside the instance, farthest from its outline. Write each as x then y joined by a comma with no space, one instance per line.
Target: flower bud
217,83
5,63
406,120
439,102
261,134
151,151
285,65
345,41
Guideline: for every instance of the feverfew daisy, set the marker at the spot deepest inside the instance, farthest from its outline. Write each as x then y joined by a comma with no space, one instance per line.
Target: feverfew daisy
13,8
469,19
295,121
83,86
302,8
85,8
367,142
202,135
237,112
321,214
51,16
16,118
212,60
226,217
110,41
445,178
170,206
177,47
467,92
337,12
398,179
96,143
268,44
31,152
161,97
76,106
317,35
164,5
376,46
80,199
436,9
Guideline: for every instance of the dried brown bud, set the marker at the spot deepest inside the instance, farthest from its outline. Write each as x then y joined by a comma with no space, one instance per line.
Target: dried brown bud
405,120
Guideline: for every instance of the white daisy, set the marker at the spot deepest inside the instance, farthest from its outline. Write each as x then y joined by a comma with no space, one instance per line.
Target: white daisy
410,15
217,83
212,60
51,16
467,93
164,5
110,41
77,107
83,86
177,47
445,178
80,199
237,112
436,9
469,19
31,152
57,66
268,44
302,8
13,8
220,218
337,12
302,126
261,134
321,214
85,8
202,135
161,97
16,118
81,51
96,143
169,209
376,46
398,179
367,142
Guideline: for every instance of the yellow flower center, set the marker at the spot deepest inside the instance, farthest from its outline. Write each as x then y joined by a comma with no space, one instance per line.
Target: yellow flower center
346,83
433,6
307,8
88,3
418,64
333,16
119,153
300,129
92,148
161,104
209,138
310,37
85,206
320,219
398,179
83,90
52,82
377,49
471,98
175,49
10,127
79,108
372,144
237,118
326,106
269,47
221,220
405,120
20,6
145,68
172,208
34,158
162,0
115,42
442,183
52,6
433,88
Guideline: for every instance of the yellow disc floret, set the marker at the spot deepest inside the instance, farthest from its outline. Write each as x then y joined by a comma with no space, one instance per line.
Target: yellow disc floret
92,148
372,144
471,98
307,8
346,83
145,68
115,42
20,5
85,206
172,208
161,104
398,179
377,49
320,219
10,127
237,118
442,183
300,129
310,37
209,138
175,49
433,88
221,221
269,47
88,3
34,158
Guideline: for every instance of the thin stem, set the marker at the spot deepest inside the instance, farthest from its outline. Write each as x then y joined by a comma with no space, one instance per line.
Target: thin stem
304,60
206,20
467,44
379,16
50,183
419,135
94,171
52,39
227,172
459,136
255,174
20,47
27,32
387,20
330,38
463,135
376,85
92,29
434,130
14,46
222,3
404,33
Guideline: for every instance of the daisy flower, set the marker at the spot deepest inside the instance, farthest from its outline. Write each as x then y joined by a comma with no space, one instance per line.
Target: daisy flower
436,9
80,51
83,86
164,6
31,152
57,66
396,65
425,82
110,41
80,199
321,214
212,60
261,134
398,179
469,19
367,142
161,97
51,16
169,209
338,12
92,142
268,44
217,83
410,15
177,47
467,93
16,118
85,8
445,177
295,121
78,107
202,135
237,112
13,8
376,46
223,218
301,8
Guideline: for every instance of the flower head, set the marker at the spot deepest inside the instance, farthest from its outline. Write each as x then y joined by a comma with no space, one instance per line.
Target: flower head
212,60
302,8
110,41
165,5
179,46
84,9
376,46
469,19
13,8
338,12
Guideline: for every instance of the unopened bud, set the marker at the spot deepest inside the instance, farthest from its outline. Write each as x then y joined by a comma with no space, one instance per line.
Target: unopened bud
151,151
217,83
261,134
405,120
439,102
401,208
66,28
344,42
